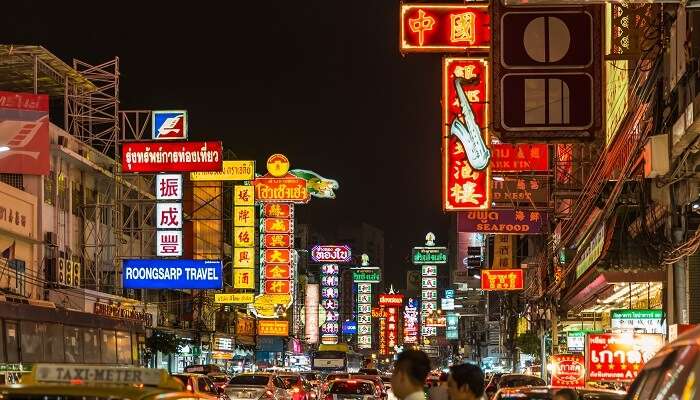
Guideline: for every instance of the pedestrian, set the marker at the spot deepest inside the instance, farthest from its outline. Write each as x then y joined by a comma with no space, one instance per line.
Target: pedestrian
566,394
466,382
439,392
410,370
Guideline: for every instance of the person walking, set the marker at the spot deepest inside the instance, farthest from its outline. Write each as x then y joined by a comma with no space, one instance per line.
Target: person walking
439,392
410,370
466,382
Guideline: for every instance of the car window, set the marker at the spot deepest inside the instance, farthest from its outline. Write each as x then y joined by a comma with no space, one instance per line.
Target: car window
219,378
250,380
280,383
183,378
346,387
521,380
645,383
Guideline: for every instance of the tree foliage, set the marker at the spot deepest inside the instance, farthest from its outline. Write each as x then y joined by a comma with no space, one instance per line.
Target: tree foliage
528,343
164,342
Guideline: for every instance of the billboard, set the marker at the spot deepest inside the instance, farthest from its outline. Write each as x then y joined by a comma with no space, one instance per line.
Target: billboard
507,221
612,357
169,125
24,131
236,170
520,157
445,27
502,279
466,171
171,156
172,274
331,253
568,370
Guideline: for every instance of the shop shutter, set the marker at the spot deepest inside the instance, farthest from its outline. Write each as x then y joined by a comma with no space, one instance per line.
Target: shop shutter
694,289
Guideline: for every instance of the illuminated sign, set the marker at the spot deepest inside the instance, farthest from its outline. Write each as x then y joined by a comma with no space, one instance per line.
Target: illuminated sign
329,298
244,216
171,156
277,210
277,271
568,370
367,275
391,300
411,321
267,305
331,253
452,331
503,221
278,185
520,189
614,357
317,185
273,328
277,287
502,279
237,170
349,328
428,270
392,327
311,315
439,322
168,187
277,225
244,278
277,165
243,257
169,243
243,195
169,125
233,298
172,274
445,27
648,321
169,215
503,252
520,157
466,168
429,255
447,304
243,236
365,313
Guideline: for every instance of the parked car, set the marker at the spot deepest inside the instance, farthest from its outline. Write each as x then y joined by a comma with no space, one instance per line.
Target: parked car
548,392
352,389
672,373
257,386
201,385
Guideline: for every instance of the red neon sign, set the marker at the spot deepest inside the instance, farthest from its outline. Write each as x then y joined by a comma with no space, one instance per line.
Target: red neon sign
277,210
278,240
502,279
463,186
172,157
278,271
277,225
569,370
520,157
277,287
445,27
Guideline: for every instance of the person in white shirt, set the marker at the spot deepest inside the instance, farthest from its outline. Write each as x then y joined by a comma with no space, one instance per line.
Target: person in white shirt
410,370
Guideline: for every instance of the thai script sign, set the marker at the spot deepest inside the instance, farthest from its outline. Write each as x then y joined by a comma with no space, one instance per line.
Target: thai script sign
520,157
233,298
367,275
171,157
503,221
612,357
429,255
568,370
648,321
501,279
237,170
445,27
331,253
391,300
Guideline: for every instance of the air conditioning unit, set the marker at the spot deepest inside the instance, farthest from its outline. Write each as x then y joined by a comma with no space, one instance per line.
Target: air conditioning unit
61,272
50,238
69,273
656,157
77,267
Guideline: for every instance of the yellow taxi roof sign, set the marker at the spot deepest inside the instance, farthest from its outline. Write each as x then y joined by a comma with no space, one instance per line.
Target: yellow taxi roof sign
89,374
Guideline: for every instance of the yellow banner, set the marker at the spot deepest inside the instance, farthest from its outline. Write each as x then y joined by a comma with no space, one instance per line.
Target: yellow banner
243,257
244,278
244,236
273,328
243,216
243,195
234,298
238,170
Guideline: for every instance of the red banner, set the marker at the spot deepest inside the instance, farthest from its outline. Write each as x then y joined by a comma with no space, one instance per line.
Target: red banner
466,171
612,357
172,157
275,210
520,157
286,189
277,256
277,225
277,287
278,271
568,370
445,27
24,130
502,279
279,240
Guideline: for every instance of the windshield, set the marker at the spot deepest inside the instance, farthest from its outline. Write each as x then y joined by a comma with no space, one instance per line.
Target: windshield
252,380
520,380
312,376
219,378
331,377
290,379
347,387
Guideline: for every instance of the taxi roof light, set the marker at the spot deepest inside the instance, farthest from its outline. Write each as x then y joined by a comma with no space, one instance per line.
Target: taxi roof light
81,374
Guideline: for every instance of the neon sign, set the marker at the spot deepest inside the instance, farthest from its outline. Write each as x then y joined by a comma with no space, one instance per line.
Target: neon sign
445,27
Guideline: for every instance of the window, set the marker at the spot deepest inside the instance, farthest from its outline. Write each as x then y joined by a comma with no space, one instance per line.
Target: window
205,385
91,346
108,346
76,198
90,204
62,189
31,340
49,188
14,180
124,348
72,344
19,267
12,341
53,343
250,380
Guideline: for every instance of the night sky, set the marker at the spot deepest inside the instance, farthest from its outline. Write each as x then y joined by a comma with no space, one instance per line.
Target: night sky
321,81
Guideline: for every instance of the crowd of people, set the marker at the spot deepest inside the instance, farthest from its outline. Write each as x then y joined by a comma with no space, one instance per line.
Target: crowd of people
464,381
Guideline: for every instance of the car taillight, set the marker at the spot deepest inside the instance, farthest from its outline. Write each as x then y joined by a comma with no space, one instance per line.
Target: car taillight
189,388
295,390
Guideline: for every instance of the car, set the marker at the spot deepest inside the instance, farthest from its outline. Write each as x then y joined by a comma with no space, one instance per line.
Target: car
548,392
378,381
368,371
219,380
352,389
97,382
201,385
204,369
257,386
492,386
672,373
519,380
294,384
330,378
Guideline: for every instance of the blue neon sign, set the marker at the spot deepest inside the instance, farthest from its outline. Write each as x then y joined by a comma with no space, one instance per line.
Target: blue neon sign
172,274
349,328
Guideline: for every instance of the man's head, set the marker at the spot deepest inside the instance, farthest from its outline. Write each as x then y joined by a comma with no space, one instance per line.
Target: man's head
466,382
566,394
410,370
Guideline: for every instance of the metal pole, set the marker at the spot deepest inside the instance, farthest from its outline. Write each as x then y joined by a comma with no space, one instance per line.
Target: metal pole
679,282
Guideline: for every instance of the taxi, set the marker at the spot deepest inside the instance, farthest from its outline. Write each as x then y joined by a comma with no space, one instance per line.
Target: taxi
96,382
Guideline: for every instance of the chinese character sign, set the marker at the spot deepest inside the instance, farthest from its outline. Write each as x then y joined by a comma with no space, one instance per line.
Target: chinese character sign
168,187
502,279
329,302
169,243
445,27
243,237
169,215
364,315
466,170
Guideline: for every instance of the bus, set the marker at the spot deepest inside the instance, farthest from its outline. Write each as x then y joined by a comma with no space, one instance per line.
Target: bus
336,358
